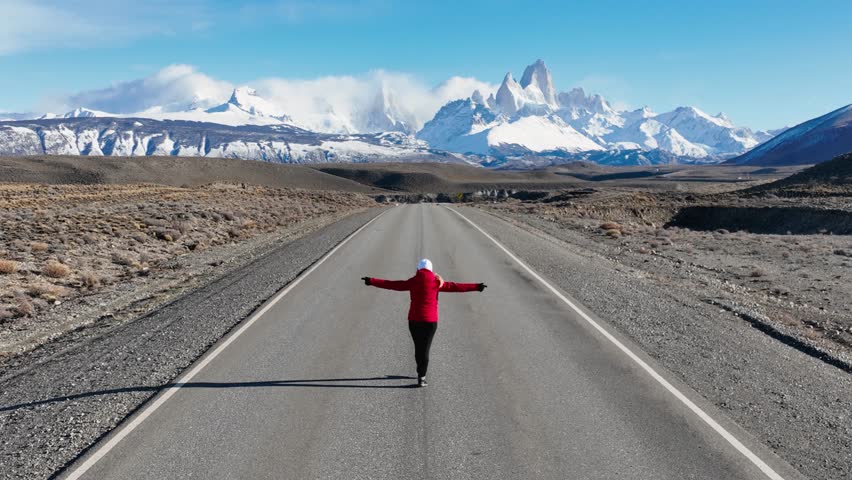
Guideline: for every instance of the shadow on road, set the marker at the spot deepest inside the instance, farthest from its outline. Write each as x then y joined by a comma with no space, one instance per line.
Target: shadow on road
313,383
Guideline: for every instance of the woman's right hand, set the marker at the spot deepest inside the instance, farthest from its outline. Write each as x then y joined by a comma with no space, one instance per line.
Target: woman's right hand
366,280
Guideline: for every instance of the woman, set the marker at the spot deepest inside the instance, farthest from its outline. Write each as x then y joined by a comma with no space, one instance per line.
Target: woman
423,289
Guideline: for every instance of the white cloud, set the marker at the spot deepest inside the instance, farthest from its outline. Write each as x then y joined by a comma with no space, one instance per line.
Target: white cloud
348,99
26,24
176,87
331,103
302,11
37,24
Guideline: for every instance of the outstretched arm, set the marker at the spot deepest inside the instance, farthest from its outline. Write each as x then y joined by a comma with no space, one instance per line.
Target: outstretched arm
461,287
398,285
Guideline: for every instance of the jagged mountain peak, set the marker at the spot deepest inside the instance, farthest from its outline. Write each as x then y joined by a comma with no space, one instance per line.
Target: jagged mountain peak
538,76
246,100
510,95
241,95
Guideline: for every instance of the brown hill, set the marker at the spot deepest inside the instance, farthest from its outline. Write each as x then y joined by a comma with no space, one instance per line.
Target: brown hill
175,171
446,178
831,178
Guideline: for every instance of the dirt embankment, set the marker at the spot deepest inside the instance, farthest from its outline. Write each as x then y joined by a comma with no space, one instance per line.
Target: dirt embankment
781,264
71,254
828,179
765,220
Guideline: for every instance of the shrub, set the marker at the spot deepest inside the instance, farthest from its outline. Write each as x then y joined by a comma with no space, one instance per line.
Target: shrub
24,307
613,233
47,291
167,234
757,272
8,266
125,259
38,247
610,226
54,269
90,280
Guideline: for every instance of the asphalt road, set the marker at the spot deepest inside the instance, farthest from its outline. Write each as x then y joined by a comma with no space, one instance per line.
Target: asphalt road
520,385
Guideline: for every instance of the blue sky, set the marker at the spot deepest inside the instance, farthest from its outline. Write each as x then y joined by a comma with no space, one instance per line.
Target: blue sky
764,63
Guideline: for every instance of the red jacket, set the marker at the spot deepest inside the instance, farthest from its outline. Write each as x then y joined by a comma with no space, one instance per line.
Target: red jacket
423,289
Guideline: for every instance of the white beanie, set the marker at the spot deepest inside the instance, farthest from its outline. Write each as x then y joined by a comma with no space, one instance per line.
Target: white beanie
425,263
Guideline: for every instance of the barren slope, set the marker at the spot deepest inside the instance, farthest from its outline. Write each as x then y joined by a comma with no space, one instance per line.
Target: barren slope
173,171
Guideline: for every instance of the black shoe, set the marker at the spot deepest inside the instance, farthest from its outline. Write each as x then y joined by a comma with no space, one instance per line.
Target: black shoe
421,382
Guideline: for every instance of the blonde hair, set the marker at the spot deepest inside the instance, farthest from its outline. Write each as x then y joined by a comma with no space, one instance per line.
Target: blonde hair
440,280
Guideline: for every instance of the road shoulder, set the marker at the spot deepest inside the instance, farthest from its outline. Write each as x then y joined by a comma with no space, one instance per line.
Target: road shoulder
59,400
789,401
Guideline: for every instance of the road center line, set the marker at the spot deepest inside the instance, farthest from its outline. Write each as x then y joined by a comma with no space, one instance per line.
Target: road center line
185,378
730,438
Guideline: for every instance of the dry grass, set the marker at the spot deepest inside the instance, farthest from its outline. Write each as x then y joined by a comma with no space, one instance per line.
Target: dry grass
95,237
9,266
55,269
47,291
90,280
797,276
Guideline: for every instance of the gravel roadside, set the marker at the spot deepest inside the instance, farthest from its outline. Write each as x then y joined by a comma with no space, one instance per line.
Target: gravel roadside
59,399
795,404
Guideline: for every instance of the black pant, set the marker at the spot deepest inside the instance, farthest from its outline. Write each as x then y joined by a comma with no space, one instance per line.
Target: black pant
422,333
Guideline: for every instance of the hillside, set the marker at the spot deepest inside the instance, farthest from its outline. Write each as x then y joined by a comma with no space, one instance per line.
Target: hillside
831,178
817,140
446,178
172,171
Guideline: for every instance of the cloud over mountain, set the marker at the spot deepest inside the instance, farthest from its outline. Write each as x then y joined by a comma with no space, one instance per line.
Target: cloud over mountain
353,103
176,87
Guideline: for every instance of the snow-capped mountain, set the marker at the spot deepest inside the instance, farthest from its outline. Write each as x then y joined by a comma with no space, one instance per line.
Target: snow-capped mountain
246,101
385,115
518,119
817,140
469,127
96,136
12,116
531,117
246,107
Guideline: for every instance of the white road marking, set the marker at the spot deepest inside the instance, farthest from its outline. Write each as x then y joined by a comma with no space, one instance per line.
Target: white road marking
167,393
766,469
